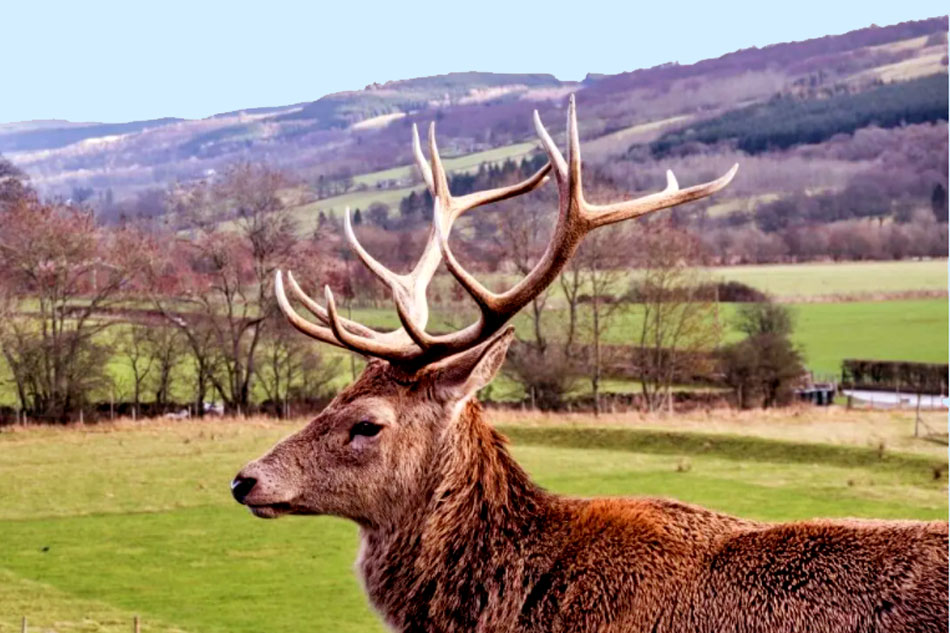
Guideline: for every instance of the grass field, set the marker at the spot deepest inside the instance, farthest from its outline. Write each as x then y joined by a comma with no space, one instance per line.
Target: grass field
800,281
105,522
826,333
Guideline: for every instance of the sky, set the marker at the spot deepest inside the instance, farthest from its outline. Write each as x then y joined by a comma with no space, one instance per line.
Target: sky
111,61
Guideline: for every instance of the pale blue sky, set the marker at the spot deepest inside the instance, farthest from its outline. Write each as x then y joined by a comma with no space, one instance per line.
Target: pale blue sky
96,60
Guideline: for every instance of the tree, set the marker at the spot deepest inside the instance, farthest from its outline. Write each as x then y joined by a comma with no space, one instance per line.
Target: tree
764,318
379,214
134,346
602,259
679,322
938,203
166,349
765,366
13,184
71,271
288,369
224,274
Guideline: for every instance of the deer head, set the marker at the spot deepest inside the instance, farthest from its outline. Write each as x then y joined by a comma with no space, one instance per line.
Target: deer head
369,454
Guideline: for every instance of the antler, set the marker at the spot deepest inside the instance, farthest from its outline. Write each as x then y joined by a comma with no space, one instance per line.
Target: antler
576,217
408,290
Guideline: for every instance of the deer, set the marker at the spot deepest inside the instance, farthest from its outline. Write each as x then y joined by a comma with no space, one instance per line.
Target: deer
455,536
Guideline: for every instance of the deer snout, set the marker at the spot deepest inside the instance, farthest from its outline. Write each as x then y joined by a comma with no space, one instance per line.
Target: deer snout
264,488
241,487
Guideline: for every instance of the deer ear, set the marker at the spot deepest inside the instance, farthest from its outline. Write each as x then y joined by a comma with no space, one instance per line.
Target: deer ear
462,375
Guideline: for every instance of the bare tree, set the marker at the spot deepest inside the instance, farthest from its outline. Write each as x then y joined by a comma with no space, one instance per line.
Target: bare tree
134,346
167,346
242,232
64,271
289,370
602,260
679,323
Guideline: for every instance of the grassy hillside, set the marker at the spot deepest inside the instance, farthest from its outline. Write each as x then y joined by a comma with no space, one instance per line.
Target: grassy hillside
101,524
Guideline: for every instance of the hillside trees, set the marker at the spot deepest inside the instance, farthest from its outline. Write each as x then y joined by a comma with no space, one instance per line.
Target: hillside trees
786,121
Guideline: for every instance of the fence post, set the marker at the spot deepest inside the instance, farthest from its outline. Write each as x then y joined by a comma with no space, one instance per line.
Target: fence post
135,625
917,417
23,625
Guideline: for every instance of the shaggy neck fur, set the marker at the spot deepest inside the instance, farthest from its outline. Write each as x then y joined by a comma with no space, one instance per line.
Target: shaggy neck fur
453,561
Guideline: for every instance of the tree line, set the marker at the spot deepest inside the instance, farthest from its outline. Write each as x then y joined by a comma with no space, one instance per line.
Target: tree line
182,305
185,303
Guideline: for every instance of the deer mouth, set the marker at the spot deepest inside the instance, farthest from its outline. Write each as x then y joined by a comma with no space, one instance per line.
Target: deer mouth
269,511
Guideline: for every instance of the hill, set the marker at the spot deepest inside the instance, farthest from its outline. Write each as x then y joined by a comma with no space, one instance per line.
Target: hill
351,133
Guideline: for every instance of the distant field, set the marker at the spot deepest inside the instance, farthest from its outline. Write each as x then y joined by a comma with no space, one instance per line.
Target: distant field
307,214
884,330
808,281
827,333
792,281
456,164
100,525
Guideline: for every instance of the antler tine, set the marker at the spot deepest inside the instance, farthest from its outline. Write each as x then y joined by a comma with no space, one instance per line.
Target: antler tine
576,218
321,313
601,215
456,206
574,154
389,350
389,277
310,329
554,154
421,159
480,198
440,180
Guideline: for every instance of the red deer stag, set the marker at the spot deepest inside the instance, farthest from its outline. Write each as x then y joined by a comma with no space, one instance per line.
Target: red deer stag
456,537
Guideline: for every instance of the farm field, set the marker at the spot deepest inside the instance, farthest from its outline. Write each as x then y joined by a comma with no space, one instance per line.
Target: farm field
814,281
799,281
826,333
101,523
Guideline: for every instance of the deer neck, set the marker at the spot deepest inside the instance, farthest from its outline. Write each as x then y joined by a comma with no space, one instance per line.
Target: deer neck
480,511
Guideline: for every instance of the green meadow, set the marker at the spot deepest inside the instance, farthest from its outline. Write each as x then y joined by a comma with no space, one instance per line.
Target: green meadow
103,523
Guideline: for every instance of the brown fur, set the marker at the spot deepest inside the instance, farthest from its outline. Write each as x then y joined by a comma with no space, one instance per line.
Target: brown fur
456,537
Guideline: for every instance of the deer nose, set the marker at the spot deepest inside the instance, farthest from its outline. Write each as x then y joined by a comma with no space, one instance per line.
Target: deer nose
241,487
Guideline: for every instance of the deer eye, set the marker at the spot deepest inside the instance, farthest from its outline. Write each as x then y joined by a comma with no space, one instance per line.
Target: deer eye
364,428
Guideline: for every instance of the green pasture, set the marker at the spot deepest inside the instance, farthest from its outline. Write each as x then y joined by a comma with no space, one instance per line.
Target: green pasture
826,333
99,524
